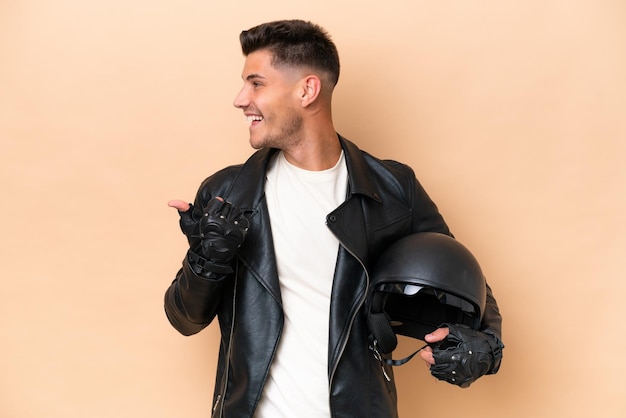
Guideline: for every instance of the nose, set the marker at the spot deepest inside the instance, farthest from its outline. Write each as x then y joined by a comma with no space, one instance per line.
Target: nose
241,100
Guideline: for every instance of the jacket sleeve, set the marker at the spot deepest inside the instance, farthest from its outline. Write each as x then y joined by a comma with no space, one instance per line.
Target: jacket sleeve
492,320
191,301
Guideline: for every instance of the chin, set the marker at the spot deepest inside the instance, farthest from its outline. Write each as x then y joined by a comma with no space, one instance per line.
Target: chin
257,143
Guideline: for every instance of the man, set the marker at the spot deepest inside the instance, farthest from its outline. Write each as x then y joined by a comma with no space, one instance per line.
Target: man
281,246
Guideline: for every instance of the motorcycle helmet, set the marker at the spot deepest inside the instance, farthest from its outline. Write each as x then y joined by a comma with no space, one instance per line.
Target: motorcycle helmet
420,282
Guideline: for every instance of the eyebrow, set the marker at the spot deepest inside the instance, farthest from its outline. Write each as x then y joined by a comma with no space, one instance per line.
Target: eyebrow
253,76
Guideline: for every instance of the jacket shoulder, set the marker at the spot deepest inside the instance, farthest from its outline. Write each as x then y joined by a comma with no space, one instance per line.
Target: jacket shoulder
395,175
240,183
218,183
393,167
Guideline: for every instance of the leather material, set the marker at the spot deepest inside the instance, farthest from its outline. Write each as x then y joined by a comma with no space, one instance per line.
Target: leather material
465,355
385,202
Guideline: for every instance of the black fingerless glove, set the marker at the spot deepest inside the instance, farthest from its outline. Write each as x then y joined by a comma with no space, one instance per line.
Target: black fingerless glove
222,231
215,237
465,355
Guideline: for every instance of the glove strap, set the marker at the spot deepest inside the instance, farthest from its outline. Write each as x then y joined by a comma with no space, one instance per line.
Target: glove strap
203,267
496,351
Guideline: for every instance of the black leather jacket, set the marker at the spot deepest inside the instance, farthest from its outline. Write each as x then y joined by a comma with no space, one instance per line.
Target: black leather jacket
385,202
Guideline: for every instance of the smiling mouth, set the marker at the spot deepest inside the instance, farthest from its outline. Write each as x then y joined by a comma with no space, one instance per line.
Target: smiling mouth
254,119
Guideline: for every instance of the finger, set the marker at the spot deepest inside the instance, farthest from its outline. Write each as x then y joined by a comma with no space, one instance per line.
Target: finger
234,213
427,355
227,210
214,206
437,335
180,205
242,220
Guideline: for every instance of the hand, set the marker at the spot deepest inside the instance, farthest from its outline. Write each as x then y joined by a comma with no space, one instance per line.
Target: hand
426,354
218,233
465,355
223,228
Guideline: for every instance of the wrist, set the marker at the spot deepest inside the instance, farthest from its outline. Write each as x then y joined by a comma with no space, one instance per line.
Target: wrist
207,268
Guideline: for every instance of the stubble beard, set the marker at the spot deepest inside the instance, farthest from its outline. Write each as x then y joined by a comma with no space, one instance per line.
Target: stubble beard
288,136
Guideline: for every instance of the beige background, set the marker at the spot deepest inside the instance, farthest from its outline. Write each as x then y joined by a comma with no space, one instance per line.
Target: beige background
511,112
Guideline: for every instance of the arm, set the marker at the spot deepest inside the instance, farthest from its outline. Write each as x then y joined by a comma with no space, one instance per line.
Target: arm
191,300
214,234
428,218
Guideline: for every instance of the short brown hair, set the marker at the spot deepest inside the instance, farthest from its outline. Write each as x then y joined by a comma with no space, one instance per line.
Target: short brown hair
294,43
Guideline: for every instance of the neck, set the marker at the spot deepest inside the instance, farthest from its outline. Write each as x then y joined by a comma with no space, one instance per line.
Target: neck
319,148
317,153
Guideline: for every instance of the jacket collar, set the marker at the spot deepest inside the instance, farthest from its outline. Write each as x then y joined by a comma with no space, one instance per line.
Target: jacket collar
359,177
247,188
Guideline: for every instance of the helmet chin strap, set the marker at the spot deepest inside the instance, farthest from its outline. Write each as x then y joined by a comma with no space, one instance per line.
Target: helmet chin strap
392,362
384,340
374,348
382,333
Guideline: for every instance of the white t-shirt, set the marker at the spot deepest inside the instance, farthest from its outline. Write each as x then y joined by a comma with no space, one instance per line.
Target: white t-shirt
306,252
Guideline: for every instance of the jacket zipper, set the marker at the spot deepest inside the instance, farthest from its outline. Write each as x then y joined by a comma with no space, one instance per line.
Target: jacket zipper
217,402
356,311
219,396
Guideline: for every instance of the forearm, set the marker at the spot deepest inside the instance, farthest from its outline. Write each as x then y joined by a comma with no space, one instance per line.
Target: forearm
191,301
492,325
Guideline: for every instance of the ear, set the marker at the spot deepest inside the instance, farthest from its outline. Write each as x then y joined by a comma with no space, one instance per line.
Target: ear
310,90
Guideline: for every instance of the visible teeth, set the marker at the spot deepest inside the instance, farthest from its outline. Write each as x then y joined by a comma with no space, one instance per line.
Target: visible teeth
254,118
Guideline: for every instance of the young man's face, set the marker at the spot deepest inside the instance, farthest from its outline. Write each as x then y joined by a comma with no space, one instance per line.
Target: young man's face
269,99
